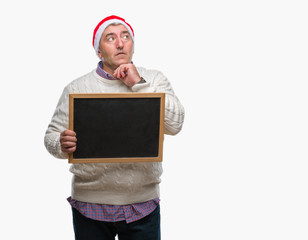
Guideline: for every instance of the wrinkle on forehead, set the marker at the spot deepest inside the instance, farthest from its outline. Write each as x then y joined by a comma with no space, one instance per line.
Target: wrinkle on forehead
114,25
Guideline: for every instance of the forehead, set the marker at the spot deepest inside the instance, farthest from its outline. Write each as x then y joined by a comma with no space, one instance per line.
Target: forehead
114,28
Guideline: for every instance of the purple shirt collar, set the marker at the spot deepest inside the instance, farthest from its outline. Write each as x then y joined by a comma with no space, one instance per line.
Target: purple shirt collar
102,73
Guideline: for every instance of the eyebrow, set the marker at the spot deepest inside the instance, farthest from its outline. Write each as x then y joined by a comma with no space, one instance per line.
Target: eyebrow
109,34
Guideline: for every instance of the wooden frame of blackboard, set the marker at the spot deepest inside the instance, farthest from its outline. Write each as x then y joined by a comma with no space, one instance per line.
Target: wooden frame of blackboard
141,98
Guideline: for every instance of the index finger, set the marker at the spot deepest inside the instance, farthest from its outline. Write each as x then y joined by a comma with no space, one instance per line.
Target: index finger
68,133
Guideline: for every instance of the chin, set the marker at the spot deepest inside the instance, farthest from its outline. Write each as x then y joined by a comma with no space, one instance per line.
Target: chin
123,61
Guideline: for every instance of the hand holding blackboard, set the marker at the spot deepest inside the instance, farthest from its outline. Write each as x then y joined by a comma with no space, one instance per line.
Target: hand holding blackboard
68,141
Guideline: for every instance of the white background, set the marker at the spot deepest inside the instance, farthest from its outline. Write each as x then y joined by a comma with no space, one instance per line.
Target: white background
238,169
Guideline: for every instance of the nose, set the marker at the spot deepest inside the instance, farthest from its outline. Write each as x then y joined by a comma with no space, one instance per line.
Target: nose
120,43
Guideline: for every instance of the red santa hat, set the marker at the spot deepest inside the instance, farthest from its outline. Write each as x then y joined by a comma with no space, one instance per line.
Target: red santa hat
98,31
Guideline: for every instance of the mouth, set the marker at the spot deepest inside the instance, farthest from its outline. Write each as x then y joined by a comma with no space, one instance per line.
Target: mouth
120,54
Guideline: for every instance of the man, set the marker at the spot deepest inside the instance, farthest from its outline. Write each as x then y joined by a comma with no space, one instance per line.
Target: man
110,199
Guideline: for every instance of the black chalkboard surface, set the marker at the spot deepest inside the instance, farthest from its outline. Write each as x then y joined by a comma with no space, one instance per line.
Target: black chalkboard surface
117,127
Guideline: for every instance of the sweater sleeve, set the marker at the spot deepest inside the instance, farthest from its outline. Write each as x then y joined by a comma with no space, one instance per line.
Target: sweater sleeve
59,123
174,111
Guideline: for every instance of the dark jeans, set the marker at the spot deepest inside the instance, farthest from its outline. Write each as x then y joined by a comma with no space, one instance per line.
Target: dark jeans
147,228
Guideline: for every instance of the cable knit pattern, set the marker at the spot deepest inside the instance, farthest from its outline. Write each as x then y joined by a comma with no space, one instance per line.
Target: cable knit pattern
114,183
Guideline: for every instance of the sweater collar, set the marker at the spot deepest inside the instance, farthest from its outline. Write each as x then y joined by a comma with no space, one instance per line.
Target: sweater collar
102,73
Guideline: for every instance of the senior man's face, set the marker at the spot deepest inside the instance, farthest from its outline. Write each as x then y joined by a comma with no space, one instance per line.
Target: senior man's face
116,47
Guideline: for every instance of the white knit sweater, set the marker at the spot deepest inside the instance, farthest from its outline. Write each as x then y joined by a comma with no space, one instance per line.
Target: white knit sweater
114,183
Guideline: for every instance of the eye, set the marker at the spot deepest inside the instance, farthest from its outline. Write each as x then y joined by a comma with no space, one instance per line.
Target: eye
126,37
110,39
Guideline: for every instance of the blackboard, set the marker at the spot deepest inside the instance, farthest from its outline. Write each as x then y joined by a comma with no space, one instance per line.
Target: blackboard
117,127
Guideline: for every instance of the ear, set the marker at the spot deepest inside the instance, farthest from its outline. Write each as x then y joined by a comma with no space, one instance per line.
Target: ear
99,53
